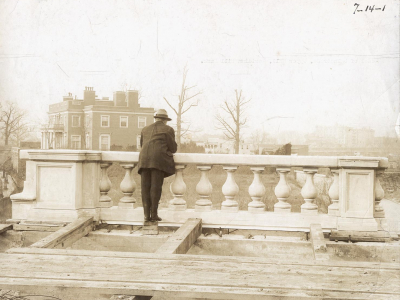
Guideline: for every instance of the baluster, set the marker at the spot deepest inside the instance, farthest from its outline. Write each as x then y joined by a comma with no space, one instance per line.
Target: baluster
105,186
282,192
379,194
333,209
230,189
178,188
309,193
127,186
204,189
256,191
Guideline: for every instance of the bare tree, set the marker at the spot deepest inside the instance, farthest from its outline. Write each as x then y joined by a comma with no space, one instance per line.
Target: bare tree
185,102
234,118
12,121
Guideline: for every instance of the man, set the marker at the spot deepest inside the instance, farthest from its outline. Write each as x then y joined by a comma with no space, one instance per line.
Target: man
156,162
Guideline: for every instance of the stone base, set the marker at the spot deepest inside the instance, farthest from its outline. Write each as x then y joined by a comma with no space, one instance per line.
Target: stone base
59,215
333,211
21,209
281,210
256,210
309,211
126,205
105,204
230,208
150,228
202,208
357,224
177,207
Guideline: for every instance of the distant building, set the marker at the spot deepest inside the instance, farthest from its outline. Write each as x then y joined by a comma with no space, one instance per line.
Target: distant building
96,124
215,145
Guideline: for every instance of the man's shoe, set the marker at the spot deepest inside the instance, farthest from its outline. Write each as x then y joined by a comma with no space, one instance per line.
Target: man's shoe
146,219
156,219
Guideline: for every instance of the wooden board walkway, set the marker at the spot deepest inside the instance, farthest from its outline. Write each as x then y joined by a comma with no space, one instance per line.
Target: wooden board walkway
54,271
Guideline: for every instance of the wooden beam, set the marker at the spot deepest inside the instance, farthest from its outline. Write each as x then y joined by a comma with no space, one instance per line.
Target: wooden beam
181,241
67,235
360,236
318,242
129,297
26,227
211,259
5,227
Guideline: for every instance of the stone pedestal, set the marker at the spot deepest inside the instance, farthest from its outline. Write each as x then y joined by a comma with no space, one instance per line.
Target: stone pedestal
356,194
60,186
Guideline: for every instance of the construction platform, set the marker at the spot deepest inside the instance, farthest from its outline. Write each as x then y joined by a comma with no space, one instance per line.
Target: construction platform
82,274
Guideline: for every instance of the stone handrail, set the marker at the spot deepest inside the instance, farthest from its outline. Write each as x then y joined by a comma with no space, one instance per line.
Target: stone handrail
355,192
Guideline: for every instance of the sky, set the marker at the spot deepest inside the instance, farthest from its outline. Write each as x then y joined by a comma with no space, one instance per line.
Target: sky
313,62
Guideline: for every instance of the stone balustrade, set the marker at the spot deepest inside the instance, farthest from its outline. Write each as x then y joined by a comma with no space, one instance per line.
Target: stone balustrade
64,184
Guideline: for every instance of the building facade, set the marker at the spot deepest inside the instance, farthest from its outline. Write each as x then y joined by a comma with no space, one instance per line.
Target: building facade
96,124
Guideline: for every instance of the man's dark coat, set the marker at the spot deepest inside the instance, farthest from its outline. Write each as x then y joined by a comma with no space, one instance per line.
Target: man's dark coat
158,143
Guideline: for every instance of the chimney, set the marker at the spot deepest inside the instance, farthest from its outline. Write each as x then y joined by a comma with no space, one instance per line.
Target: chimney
119,98
89,96
132,99
68,97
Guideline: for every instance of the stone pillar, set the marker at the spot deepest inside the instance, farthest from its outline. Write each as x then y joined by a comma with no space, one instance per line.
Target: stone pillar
333,209
282,192
309,193
178,188
127,186
357,194
204,189
105,186
256,191
379,194
230,189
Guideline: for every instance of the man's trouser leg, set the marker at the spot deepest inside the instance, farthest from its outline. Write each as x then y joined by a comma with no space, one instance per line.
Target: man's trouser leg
146,185
157,180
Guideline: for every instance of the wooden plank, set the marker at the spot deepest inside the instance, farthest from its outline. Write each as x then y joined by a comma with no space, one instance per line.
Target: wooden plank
5,227
68,235
201,273
359,236
209,258
178,289
318,242
129,297
182,239
24,227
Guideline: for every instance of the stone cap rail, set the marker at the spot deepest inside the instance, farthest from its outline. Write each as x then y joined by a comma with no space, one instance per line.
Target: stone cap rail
213,159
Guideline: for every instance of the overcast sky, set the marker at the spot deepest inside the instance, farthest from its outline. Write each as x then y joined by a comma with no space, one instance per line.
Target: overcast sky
315,61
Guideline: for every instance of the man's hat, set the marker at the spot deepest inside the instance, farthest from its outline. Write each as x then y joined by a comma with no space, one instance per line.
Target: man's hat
162,114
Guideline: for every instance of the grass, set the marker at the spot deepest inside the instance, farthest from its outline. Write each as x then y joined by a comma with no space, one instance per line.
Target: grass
217,177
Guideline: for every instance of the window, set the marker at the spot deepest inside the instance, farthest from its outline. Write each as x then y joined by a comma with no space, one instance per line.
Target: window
105,121
76,121
141,122
75,141
138,141
123,122
105,142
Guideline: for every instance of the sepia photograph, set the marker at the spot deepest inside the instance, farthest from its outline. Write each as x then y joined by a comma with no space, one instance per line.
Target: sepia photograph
181,149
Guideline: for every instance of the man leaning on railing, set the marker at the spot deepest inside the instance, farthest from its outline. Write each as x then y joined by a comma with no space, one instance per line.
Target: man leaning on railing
156,162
